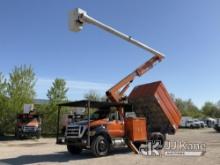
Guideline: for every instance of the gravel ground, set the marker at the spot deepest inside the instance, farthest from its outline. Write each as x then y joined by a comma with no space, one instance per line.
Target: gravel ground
45,151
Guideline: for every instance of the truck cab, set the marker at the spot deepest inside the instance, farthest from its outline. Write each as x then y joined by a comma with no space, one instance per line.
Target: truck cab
28,125
110,119
101,128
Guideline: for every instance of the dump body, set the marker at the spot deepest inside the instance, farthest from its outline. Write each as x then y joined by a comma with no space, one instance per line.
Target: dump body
153,102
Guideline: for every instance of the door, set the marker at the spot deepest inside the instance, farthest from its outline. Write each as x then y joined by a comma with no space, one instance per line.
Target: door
115,126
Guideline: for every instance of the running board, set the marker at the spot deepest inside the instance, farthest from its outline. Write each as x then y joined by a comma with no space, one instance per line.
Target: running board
132,147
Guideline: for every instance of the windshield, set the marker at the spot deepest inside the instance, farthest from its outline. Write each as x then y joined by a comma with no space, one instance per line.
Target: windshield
100,114
27,118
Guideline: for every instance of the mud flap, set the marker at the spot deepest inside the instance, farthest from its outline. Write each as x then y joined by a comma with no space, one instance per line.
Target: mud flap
132,147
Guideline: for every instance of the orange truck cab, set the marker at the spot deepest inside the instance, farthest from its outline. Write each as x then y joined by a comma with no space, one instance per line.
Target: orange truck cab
148,116
101,128
28,125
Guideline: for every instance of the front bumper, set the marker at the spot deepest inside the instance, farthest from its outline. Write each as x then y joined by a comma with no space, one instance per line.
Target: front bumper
35,133
81,142
196,126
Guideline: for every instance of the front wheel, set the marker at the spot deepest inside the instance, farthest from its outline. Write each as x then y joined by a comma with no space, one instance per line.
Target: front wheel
100,146
74,149
18,135
38,135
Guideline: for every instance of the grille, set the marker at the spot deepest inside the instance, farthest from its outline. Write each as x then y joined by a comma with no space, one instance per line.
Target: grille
29,129
75,131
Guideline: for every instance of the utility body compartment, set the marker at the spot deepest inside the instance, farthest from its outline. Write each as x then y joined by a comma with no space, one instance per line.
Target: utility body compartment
135,129
153,102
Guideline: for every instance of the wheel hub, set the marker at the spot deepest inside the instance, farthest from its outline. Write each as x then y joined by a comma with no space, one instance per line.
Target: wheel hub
102,146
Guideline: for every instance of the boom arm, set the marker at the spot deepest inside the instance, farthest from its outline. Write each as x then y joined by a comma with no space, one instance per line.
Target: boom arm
79,17
116,93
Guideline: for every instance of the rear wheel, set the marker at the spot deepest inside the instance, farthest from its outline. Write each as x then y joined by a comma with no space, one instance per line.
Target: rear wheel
100,146
74,149
158,140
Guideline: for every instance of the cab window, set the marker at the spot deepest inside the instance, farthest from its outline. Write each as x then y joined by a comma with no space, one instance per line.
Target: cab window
113,115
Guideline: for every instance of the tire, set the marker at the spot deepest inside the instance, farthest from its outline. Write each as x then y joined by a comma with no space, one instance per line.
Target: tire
38,135
74,149
158,137
100,146
18,135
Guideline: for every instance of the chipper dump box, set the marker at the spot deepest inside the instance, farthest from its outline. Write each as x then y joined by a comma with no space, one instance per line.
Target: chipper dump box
153,102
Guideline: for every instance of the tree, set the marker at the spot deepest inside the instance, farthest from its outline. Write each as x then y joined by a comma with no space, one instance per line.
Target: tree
187,108
218,104
192,109
181,106
3,85
21,87
211,110
3,104
57,93
93,96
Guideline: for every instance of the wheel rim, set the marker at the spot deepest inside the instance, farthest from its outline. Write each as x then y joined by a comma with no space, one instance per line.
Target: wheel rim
157,139
102,146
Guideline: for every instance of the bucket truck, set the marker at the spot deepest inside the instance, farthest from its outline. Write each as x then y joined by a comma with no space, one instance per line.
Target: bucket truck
155,114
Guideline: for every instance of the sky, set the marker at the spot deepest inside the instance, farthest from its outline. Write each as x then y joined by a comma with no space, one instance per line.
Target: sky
36,32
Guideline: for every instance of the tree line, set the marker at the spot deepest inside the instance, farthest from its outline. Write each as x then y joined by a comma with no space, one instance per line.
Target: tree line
19,89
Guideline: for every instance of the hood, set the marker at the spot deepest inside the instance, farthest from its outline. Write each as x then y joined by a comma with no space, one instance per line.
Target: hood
33,123
92,122
99,122
83,122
